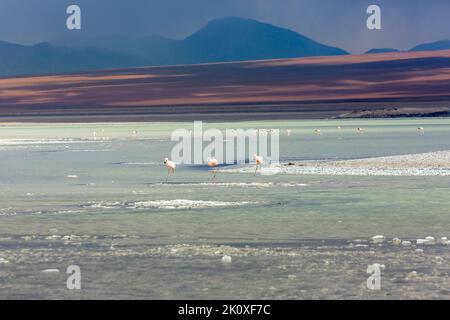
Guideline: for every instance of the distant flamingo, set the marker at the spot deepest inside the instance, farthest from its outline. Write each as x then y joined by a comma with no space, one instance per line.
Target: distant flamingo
213,162
259,162
360,130
421,130
318,131
170,165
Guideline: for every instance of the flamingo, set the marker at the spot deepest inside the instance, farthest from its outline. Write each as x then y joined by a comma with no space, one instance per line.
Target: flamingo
170,165
212,162
259,162
318,131
421,130
360,130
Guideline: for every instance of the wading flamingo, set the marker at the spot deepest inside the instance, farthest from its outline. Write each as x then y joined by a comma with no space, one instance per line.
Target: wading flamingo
212,163
170,165
318,131
258,161
360,130
421,130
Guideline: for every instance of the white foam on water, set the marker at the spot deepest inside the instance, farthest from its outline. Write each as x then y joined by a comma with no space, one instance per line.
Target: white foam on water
312,170
235,184
186,204
19,142
50,271
104,205
168,204
368,172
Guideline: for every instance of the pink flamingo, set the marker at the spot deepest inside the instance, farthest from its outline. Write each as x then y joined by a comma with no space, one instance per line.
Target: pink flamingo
259,162
170,165
213,163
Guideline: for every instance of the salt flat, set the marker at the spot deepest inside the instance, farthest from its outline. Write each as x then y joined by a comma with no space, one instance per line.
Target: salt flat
422,164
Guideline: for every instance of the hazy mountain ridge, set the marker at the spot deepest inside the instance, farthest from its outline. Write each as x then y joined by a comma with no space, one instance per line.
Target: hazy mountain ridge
47,58
221,40
431,46
382,50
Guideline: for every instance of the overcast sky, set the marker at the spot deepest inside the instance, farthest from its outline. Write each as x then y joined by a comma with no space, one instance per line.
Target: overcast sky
340,23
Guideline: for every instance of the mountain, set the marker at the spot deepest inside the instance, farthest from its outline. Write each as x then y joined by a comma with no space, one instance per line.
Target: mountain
433,46
382,50
46,58
237,39
221,40
155,50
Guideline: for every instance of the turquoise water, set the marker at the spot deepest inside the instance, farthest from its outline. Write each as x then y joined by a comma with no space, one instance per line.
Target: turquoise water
102,203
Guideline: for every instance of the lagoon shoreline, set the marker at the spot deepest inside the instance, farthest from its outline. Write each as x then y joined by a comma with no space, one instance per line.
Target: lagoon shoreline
228,113
421,164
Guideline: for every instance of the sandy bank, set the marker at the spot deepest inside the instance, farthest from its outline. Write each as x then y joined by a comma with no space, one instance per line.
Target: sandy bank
424,164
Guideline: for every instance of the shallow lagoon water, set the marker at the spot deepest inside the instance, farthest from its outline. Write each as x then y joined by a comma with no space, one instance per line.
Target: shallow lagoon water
67,198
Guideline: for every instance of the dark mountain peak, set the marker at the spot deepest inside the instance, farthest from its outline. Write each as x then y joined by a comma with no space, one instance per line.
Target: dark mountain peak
433,46
239,39
234,21
239,27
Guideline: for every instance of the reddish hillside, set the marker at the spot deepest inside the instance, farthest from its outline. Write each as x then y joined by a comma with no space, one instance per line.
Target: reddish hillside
269,86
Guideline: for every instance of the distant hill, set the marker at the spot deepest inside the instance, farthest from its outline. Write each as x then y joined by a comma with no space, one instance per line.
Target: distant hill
433,46
46,58
237,39
221,40
382,50
155,50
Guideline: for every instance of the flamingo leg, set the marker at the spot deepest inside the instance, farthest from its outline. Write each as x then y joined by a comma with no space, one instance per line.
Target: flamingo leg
168,173
256,168
214,176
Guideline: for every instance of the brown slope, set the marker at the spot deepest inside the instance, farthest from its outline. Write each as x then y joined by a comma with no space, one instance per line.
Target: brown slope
341,83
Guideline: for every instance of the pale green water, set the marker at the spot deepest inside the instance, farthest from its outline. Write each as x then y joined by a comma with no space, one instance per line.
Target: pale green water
302,226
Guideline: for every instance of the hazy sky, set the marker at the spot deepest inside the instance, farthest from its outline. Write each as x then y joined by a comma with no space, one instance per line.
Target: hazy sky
340,23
